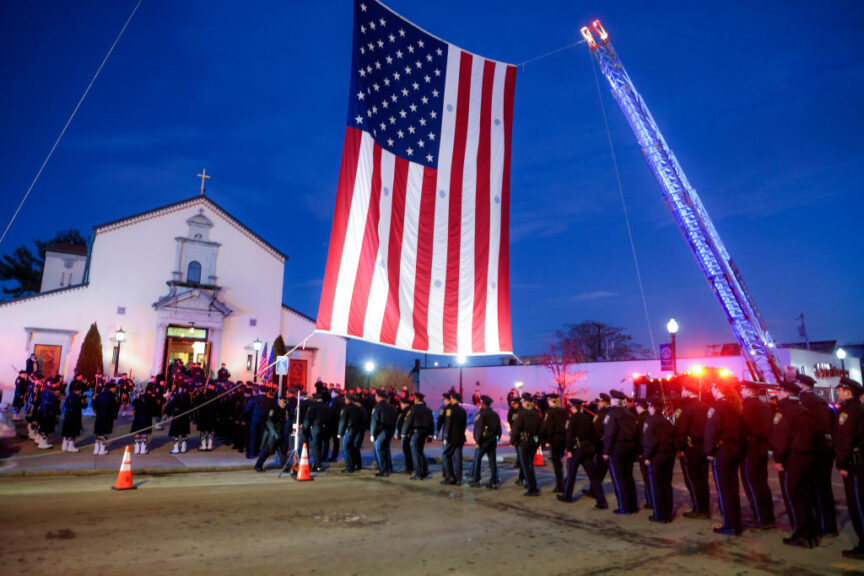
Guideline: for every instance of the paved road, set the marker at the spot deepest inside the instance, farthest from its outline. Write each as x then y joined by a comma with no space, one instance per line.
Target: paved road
243,522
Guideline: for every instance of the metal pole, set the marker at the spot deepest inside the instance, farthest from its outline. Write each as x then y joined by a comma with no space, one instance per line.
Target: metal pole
460,381
255,368
674,356
117,358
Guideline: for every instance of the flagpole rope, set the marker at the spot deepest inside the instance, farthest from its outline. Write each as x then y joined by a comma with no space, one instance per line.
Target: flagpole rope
167,420
69,121
624,206
547,54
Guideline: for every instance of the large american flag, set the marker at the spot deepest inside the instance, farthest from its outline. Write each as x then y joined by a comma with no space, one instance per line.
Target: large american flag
419,251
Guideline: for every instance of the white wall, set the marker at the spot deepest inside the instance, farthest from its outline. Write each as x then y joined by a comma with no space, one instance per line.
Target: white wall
62,269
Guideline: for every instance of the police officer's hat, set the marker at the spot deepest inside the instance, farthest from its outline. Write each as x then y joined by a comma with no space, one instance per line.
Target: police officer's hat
576,401
851,385
656,402
419,396
605,397
455,396
641,402
805,380
527,397
790,387
405,400
617,394
447,395
380,392
354,397
516,399
486,400
553,397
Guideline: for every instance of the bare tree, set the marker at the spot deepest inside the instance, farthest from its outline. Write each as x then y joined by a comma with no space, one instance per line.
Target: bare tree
559,358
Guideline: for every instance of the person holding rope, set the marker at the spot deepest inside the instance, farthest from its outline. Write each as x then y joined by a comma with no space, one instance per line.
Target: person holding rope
73,407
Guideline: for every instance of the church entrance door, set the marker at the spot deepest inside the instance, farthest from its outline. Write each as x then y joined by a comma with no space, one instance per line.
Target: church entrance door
189,344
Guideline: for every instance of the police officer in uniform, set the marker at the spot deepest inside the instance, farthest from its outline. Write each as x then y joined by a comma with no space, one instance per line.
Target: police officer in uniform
405,406
601,465
641,407
351,424
849,441
487,433
554,431
658,454
526,432
419,425
793,441
757,417
315,424
723,434
383,422
825,509
619,450
580,440
514,404
453,434
689,421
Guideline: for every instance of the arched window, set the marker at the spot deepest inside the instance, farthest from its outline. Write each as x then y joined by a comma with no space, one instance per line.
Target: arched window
193,272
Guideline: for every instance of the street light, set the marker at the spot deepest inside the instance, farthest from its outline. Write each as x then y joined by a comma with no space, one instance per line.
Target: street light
460,359
256,345
841,354
672,328
120,336
369,367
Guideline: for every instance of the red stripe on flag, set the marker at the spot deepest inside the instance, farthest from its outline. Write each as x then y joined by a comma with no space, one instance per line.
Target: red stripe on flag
504,337
390,325
481,213
454,227
344,194
423,274
368,252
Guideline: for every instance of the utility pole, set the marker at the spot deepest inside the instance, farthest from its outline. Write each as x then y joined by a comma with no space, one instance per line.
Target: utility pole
802,330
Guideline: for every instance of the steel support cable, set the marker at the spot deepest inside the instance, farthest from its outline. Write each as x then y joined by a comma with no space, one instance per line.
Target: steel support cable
624,206
69,121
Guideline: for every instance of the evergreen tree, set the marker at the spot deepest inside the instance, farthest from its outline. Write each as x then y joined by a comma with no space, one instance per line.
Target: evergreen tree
90,357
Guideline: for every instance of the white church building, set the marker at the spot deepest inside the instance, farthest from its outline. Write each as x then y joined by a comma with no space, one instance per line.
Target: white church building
186,280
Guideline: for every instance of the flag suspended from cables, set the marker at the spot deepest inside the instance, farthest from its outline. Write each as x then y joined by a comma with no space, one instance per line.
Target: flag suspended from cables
419,250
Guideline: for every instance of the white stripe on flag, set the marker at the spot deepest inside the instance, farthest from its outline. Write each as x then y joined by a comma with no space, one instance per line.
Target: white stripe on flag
378,291
408,271
442,205
496,178
469,200
353,237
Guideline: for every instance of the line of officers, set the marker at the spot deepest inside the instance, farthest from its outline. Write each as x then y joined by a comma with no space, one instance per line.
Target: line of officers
728,438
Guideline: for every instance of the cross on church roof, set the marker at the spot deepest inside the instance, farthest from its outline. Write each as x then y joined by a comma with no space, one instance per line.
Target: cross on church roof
203,177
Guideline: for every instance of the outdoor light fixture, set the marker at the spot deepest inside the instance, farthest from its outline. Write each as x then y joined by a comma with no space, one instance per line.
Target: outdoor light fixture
369,366
519,384
256,345
841,354
461,359
120,336
672,326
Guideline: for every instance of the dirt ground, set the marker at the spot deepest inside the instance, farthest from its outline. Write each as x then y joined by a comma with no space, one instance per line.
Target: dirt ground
248,523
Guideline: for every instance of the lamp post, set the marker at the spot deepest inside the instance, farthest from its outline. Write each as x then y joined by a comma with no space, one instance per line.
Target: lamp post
460,359
841,354
369,367
256,345
672,328
120,336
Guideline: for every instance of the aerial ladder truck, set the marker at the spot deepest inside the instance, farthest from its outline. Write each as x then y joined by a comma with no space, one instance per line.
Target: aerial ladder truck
757,347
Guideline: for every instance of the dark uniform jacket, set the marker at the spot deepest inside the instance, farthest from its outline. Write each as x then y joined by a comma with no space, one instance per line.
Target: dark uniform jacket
526,425
690,421
757,420
383,418
144,407
487,427
555,425
106,406
455,422
74,404
619,429
658,436
724,426
353,418
849,434
823,418
793,430
581,432
599,419
419,420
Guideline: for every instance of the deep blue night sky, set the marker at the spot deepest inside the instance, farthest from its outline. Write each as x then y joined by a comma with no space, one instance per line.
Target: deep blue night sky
762,103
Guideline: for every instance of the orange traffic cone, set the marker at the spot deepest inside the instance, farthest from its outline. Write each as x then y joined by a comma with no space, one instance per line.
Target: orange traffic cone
303,472
124,478
538,458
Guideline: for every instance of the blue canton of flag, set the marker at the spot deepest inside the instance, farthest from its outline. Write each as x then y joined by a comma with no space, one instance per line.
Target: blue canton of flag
397,83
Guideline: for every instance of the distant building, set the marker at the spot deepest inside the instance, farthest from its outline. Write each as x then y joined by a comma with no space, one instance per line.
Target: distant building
187,281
